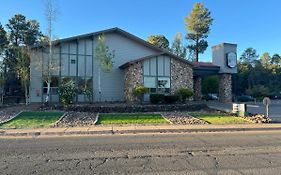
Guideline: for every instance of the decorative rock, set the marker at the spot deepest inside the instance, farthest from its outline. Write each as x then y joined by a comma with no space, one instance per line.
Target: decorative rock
225,88
181,75
76,119
258,118
182,118
133,77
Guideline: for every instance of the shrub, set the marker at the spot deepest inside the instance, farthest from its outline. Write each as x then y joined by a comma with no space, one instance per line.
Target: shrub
139,91
157,98
67,91
185,93
171,98
258,91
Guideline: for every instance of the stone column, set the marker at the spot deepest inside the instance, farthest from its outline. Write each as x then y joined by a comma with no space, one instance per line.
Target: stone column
225,88
197,88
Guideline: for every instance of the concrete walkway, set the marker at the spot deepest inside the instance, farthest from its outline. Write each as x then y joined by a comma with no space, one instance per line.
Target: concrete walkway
96,130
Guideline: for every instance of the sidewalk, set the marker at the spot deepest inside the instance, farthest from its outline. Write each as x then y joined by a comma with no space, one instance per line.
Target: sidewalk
97,130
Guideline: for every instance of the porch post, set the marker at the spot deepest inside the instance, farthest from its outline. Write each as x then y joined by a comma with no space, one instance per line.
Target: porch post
225,88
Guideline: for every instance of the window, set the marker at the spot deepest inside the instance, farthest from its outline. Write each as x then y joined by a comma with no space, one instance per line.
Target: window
156,72
53,86
84,84
72,61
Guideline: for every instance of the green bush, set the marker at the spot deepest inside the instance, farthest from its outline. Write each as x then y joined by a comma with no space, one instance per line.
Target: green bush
258,91
67,91
171,99
157,98
140,90
185,93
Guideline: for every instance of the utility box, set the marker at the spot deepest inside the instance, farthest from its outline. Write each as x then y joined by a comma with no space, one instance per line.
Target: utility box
239,109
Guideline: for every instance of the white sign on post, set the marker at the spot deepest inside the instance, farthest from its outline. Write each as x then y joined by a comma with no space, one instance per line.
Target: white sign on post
266,101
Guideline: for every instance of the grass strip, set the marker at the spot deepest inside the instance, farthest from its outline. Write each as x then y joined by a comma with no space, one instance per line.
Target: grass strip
220,119
33,120
137,118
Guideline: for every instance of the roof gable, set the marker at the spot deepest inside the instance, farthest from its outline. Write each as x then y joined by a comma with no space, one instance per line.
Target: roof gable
154,55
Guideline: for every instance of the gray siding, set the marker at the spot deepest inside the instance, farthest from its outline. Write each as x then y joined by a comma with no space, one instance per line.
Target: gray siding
112,83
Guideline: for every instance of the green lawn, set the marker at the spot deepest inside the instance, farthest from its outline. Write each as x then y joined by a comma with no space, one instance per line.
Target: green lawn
220,118
130,118
33,120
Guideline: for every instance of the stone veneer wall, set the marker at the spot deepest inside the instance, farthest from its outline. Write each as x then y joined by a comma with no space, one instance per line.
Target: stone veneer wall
181,75
225,88
197,88
133,77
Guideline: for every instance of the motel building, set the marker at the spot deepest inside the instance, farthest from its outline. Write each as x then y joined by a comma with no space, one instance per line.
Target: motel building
136,62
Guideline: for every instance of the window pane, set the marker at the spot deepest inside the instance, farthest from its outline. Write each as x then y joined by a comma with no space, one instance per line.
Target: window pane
153,66
146,67
163,82
55,82
160,66
150,82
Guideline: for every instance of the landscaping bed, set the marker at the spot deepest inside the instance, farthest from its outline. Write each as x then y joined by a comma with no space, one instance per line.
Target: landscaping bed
9,111
182,118
257,118
36,119
74,119
128,108
132,118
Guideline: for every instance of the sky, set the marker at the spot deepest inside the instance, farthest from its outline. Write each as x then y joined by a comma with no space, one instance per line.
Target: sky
248,23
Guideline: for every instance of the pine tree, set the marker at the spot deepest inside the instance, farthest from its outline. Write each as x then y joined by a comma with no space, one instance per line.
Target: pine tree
198,24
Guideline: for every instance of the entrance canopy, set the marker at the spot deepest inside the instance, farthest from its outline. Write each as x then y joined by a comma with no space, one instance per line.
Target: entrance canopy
204,69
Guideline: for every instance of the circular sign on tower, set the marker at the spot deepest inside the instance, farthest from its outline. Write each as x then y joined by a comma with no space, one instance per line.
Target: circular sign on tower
231,59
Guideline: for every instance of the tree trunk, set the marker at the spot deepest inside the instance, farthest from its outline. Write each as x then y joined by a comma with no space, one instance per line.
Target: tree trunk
197,50
99,83
26,95
197,55
48,91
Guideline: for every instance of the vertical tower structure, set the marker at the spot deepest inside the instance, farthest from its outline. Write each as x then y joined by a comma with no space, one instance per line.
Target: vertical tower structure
225,56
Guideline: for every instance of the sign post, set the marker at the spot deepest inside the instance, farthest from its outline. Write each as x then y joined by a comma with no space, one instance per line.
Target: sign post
266,101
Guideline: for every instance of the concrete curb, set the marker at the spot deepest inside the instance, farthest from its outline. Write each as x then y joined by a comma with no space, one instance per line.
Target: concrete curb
134,131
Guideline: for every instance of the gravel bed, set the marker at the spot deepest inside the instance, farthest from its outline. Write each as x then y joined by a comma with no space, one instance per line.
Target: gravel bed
257,118
76,119
9,112
182,118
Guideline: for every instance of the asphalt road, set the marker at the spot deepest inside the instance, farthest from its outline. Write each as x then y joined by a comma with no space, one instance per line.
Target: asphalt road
196,153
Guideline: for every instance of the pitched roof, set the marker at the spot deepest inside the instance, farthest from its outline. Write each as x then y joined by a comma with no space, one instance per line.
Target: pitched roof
111,30
154,55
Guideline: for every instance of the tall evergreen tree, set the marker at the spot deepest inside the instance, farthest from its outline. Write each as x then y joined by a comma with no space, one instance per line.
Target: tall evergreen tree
249,56
23,34
198,24
158,40
3,38
17,27
265,60
177,46
276,60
